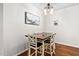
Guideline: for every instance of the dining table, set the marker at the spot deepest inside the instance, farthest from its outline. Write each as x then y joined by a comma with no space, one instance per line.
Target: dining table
41,37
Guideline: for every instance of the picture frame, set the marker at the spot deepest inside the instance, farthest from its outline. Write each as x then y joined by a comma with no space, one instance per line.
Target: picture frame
31,19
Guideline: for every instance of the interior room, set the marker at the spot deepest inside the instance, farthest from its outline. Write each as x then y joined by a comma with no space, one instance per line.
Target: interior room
53,26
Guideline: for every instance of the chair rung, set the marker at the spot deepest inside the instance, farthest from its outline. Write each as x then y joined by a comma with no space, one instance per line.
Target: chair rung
47,52
32,53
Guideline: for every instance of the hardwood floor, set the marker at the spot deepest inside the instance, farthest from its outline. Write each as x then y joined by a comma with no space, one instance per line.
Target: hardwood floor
61,50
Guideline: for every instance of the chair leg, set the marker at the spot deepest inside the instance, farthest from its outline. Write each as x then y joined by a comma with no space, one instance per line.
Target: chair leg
46,48
40,49
53,52
50,50
36,52
29,51
54,48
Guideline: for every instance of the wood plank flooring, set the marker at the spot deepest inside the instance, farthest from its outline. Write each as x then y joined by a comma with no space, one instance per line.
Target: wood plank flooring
61,50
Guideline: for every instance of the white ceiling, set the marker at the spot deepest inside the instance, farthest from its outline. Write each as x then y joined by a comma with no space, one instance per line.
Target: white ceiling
56,6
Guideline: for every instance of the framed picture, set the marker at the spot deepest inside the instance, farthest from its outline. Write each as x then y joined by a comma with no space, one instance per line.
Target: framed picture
31,19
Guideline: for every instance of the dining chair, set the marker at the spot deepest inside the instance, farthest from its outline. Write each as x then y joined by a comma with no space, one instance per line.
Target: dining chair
34,44
50,44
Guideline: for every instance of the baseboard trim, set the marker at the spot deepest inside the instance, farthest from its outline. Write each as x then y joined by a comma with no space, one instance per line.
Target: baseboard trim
67,44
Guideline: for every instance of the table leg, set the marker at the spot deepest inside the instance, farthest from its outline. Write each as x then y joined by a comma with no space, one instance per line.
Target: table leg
43,48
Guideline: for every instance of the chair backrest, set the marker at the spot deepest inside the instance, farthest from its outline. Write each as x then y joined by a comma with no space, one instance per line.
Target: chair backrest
52,37
32,40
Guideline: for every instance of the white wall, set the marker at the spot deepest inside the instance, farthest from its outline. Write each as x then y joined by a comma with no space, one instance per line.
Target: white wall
15,29
1,29
68,27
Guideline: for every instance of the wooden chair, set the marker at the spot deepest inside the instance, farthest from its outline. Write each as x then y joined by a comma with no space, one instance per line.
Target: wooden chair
50,44
33,44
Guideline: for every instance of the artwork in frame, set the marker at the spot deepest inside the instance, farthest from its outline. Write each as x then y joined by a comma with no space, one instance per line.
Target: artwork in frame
31,19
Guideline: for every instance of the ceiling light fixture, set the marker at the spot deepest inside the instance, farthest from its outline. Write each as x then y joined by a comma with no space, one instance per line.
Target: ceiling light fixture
48,9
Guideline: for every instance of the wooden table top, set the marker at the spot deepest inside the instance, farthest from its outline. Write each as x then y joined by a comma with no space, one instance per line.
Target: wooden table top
41,36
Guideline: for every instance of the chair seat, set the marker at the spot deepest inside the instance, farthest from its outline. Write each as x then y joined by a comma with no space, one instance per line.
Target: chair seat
47,41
